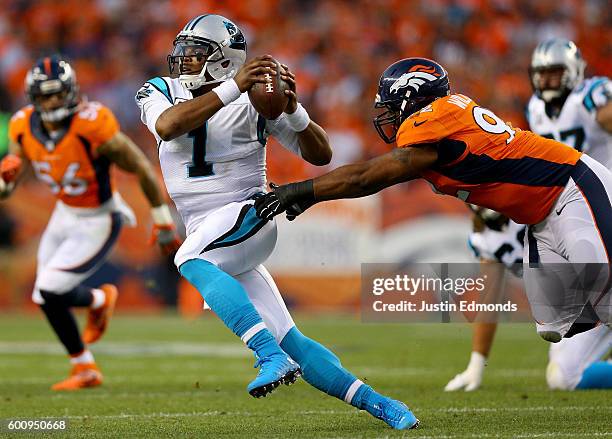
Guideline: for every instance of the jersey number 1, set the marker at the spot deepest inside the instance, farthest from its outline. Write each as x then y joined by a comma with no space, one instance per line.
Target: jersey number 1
199,167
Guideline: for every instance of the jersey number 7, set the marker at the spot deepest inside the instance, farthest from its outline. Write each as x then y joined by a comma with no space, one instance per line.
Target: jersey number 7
577,134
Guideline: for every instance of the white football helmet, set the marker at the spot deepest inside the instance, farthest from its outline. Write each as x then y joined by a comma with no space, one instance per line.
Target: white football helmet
214,39
557,53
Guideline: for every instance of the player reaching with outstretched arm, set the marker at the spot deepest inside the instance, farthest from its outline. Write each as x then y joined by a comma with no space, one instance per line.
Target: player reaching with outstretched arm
467,151
72,145
212,154
577,111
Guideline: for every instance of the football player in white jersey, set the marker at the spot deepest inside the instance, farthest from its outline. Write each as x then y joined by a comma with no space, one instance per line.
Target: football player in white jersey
578,112
565,106
574,363
212,153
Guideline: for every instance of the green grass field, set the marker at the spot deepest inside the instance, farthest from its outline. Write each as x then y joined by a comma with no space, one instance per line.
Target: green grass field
168,377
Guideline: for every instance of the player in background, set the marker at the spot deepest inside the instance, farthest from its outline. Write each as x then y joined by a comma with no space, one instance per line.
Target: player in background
467,151
565,106
568,108
574,363
72,145
212,154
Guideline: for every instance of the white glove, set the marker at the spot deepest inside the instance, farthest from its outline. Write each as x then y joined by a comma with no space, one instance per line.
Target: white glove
470,378
6,188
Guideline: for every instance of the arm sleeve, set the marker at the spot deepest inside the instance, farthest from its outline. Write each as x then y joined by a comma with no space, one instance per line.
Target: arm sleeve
152,103
280,130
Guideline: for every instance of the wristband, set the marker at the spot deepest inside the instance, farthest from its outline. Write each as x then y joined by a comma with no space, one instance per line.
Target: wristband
161,215
298,120
228,91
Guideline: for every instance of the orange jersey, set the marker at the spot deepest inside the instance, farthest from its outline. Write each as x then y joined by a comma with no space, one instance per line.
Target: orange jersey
484,161
70,164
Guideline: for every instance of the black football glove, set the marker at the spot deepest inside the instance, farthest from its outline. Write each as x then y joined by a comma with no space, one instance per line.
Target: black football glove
292,198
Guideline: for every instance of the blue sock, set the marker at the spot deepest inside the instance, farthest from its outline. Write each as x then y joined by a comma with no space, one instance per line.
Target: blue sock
597,376
363,394
320,367
229,301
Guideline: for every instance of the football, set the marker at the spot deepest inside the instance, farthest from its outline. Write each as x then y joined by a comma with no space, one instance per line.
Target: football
269,99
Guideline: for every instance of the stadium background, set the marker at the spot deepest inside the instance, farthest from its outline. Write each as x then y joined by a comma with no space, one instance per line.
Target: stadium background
338,50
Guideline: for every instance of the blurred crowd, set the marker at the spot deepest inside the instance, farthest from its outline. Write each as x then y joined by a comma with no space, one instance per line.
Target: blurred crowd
337,49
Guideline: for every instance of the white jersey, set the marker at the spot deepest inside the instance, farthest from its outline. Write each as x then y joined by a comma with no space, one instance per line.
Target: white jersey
576,125
221,162
505,246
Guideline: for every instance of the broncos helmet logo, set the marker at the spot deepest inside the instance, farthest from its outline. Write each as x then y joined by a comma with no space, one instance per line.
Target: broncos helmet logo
412,79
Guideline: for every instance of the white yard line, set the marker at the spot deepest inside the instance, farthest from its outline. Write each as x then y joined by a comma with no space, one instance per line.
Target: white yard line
420,371
215,413
552,434
148,349
332,412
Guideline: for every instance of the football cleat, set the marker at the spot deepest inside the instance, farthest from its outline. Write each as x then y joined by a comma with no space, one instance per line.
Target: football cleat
97,319
274,370
394,413
81,376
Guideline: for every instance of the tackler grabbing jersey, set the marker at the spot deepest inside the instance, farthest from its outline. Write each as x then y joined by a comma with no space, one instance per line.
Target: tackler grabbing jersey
467,151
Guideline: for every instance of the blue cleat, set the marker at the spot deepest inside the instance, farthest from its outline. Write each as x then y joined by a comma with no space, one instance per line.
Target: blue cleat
395,413
274,370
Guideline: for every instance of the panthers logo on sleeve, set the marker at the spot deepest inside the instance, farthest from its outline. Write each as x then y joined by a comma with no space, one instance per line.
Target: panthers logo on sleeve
69,164
144,92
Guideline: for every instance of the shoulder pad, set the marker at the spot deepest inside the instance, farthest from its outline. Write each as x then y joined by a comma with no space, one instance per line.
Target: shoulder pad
159,84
